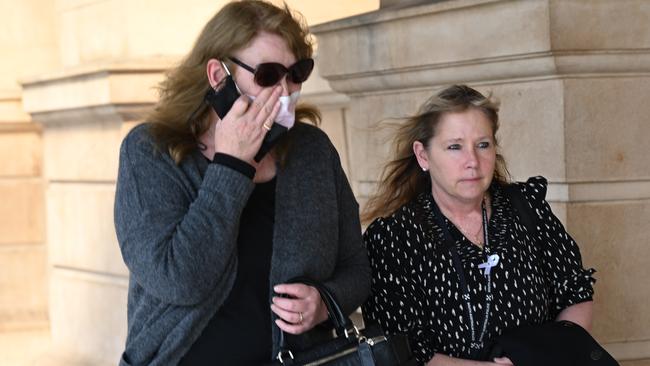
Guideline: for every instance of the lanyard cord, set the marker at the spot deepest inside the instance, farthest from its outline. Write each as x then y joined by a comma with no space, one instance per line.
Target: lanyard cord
477,344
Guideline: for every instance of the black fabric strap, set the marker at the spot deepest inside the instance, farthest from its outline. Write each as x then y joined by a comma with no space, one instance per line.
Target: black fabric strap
234,163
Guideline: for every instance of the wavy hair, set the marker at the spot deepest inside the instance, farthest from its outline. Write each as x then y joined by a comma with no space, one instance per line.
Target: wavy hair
402,179
180,117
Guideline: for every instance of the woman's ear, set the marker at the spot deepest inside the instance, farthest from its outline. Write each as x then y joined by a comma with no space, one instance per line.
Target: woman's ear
216,72
421,155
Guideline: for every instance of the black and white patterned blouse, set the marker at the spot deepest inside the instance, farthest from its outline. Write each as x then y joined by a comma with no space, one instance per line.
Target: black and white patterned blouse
416,290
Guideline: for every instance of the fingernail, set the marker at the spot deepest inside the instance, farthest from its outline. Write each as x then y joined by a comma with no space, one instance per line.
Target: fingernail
276,288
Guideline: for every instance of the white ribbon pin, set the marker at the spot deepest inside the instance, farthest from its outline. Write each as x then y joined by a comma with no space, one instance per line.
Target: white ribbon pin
492,261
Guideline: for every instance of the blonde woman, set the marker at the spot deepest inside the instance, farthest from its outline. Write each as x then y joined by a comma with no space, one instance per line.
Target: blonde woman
454,263
211,234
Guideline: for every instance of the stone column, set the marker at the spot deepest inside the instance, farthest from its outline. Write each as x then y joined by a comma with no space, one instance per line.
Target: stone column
110,61
81,139
572,76
23,290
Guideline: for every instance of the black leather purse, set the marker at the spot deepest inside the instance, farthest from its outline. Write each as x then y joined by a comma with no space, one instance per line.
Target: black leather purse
561,343
350,346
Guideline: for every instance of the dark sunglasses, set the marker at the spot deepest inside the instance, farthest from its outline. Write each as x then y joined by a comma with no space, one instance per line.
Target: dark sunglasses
270,73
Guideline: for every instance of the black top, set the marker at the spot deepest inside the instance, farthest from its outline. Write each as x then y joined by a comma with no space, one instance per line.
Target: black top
240,331
415,288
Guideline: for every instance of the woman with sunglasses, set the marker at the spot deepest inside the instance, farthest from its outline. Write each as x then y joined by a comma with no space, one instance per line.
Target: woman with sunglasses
211,235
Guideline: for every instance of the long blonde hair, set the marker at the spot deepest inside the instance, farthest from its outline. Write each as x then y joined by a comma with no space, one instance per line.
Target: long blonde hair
402,179
180,116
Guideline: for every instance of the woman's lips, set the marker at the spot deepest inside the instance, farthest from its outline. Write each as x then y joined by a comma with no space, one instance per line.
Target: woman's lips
471,180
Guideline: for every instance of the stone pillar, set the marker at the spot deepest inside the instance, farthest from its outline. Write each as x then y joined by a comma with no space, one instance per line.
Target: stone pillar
81,139
110,57
572,84
23,290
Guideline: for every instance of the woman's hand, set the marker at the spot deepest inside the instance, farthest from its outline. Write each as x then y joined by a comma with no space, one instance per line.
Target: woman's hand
443,360
302,311
241,131
503,361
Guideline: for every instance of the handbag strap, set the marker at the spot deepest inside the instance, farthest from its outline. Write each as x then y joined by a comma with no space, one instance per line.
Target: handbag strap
342,323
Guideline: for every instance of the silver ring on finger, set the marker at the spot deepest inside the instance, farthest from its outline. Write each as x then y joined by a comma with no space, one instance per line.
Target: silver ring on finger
301,317
267,125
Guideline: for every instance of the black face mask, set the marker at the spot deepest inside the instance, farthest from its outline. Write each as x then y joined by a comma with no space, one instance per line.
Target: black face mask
222,100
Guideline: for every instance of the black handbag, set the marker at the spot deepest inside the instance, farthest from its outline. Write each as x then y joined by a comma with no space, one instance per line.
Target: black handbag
350,346
561,343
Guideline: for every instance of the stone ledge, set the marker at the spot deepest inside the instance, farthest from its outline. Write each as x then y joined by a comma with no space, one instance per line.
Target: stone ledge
126,83
20,127
515,68
517,41
11,108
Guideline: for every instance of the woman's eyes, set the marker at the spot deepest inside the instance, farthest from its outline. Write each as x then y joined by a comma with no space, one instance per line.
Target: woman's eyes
480,145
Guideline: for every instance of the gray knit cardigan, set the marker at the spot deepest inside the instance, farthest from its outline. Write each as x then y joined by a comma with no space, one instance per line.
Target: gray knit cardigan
177,228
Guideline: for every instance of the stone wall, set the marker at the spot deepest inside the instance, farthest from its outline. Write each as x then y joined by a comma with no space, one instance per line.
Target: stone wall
27,47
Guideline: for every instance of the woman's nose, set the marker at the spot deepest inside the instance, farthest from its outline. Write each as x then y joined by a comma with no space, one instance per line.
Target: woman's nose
285,86
472,158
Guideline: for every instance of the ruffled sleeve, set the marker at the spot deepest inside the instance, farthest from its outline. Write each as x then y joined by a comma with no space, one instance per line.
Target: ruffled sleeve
569,282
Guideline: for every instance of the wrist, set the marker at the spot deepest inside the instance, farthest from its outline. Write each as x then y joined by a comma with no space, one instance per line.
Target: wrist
234,163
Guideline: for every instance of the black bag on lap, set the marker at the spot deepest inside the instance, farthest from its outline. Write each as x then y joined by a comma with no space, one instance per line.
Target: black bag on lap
561,343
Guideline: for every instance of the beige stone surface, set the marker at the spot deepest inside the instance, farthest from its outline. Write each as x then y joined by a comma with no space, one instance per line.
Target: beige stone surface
112,29
512,42
22,211
369,123
27,41
531,134
11,108
83,151
333,124
636,363
596,31
80,229
607,129
101,85
20,153
318,11
612,237
517,41
24,347
98,30
88,315
23,294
